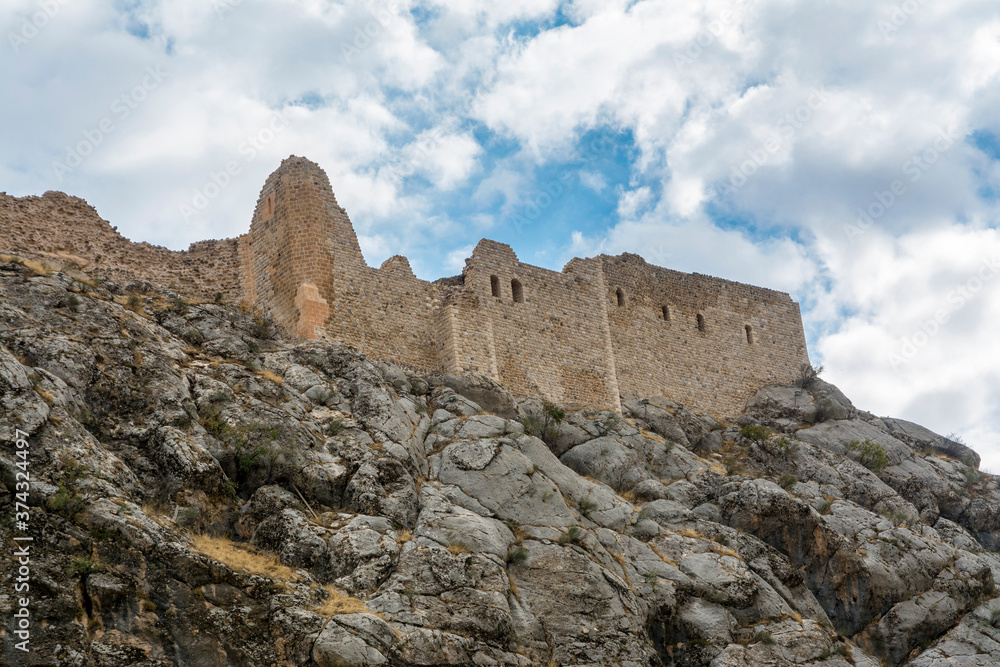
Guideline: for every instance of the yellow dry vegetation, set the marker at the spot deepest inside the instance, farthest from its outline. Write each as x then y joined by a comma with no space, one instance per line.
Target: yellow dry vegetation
337,602
37,268
273,377
726,551
664,557
458,548
240,558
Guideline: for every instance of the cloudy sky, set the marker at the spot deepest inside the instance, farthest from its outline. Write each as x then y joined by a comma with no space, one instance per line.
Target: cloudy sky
844,151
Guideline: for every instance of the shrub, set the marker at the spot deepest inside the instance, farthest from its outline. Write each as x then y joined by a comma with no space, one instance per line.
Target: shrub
787,481
870,454
755,432
80,566
547,427
995,618
763,638
335,427
786,447
255,321
732,465
824,507
179,305
808,374
193,336
517,555
572,535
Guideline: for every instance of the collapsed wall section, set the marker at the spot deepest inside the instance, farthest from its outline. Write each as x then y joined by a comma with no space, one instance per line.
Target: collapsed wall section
61,230
702,341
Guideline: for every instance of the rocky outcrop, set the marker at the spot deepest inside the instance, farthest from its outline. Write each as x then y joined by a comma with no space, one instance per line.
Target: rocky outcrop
202,496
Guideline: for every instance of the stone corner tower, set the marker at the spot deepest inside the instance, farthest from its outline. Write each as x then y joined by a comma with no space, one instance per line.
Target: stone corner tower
297,234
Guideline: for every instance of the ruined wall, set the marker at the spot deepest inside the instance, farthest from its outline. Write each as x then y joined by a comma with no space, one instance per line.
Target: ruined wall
601,328
714,367
60,229
548,341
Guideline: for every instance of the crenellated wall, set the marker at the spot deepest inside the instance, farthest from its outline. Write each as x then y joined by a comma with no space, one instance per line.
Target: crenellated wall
602,328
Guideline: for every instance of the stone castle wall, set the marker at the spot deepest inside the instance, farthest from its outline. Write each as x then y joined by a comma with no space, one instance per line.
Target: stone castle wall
602,328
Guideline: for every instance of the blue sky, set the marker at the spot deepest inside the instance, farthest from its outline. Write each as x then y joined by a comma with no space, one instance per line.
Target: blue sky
846,152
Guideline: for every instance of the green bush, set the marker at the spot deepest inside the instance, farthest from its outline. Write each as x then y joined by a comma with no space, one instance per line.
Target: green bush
517,555
193,336
755,432
763,637
786,447
80,566
572,535
870,454
787,481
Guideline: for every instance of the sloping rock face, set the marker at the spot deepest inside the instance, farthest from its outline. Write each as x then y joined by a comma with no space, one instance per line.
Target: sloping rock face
202,495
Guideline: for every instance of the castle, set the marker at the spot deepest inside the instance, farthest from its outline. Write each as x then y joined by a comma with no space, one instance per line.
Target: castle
602,328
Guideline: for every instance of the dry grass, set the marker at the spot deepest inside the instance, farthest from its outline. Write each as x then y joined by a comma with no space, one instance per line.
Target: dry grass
240,558
36,268
273,377
694,534
797,617
46,396
337,602
664,557
404,536
726,551
459,548
646,433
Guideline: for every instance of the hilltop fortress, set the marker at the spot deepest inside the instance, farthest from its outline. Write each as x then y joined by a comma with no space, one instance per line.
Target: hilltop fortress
602,328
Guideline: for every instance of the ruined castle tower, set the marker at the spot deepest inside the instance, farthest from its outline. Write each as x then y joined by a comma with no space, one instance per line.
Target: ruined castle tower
601,328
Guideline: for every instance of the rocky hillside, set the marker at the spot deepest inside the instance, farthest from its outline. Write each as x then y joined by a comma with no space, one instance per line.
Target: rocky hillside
203,492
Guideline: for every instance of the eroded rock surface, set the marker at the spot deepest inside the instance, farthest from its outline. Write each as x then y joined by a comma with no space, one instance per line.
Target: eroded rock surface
203,496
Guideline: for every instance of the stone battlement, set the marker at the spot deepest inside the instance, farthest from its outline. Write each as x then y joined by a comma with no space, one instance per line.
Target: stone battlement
601,328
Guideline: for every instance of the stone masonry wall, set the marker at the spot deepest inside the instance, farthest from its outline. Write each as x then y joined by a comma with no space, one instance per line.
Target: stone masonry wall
602,328
660,348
